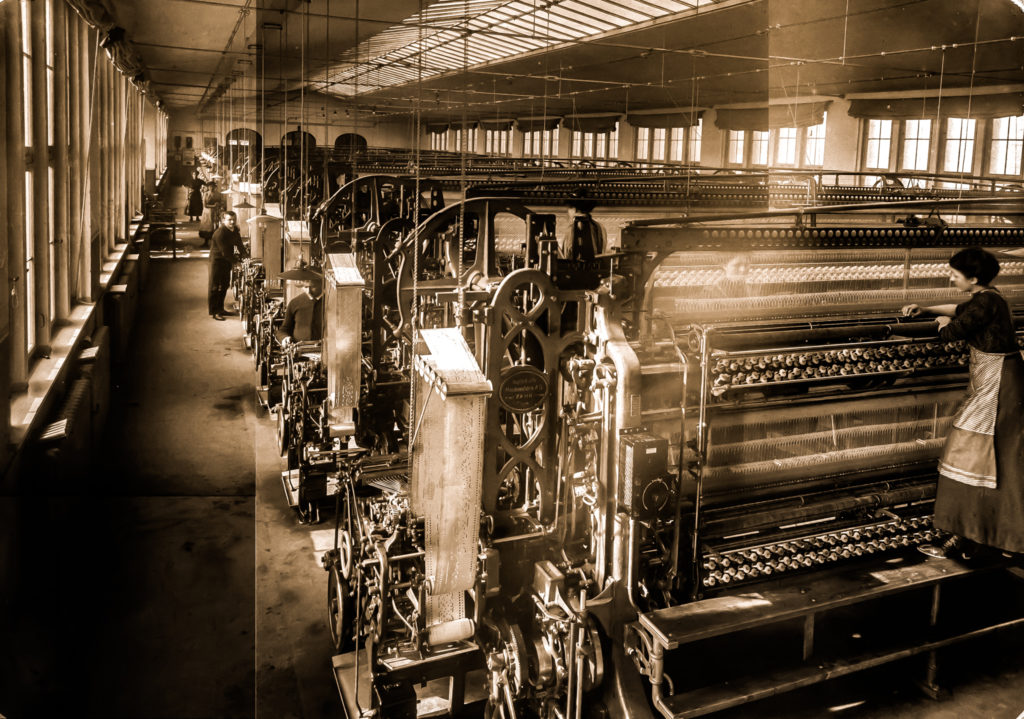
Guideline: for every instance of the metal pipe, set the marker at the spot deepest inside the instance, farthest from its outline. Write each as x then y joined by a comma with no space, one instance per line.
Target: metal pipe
702,449
520,537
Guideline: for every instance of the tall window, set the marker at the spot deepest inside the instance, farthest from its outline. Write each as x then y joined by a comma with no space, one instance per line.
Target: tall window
878,144
30,219
814,144
498,142
658,144
917,136
465,139
540,143
1007,139
694,134
643,144
785,146
439,140
734,152
959,155
51,129
599,145
759,147
670,144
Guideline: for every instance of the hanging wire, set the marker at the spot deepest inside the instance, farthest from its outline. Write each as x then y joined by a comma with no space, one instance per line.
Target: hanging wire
285,140
463,136
303,148
415,244
970,96
263,117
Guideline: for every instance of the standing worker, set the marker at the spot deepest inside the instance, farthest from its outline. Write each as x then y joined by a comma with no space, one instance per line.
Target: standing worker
226,239
195,197
980,495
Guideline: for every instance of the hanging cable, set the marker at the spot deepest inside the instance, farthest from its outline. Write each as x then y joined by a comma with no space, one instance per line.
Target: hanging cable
415,244
463,133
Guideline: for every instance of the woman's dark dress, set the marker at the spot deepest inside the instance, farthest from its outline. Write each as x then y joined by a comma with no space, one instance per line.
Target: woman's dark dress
980,493
195,198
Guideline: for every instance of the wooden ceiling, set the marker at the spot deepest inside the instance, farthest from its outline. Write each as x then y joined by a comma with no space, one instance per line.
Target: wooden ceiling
736,51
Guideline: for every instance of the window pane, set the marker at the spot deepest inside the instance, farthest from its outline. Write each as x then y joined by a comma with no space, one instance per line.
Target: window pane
785,151
736,139
695,135
658,148
814,144
879,137
26,65
30,275
643,145
759,147
959,144
52,261
1007,139
916,141
675,146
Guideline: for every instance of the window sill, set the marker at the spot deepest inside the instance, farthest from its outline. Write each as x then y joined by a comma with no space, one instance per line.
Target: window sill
29,408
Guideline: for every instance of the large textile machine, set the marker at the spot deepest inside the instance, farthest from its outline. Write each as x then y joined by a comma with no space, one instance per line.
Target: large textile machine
708,418
357,210
321,391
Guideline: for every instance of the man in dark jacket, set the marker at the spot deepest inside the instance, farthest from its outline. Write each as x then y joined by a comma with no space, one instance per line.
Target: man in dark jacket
304,317
226,239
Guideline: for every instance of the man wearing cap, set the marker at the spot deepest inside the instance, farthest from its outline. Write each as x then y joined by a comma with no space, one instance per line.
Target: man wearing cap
222,255
304,316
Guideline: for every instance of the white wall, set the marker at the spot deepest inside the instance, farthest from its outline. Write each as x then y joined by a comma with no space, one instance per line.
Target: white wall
712,141
842,138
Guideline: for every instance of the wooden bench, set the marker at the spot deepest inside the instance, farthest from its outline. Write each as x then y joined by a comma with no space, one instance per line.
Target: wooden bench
160,219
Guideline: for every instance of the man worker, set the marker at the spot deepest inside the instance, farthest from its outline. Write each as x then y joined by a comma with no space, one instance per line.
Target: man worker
226,239
304,316
585,238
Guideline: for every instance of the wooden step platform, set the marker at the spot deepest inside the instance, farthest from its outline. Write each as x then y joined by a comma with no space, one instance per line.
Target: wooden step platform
757,621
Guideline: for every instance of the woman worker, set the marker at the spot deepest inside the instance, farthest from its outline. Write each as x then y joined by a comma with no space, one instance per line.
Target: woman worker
980,494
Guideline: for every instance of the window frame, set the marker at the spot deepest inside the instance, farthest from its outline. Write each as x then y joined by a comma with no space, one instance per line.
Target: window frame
1017,140
971,141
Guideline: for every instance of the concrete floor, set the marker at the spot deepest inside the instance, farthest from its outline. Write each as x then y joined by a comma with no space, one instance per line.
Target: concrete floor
178,584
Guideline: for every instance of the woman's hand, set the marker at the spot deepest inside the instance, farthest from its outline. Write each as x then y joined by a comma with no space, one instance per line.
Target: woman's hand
911,311
943,321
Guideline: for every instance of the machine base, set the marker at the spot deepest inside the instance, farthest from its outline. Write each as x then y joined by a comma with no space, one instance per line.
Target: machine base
814,618
452,686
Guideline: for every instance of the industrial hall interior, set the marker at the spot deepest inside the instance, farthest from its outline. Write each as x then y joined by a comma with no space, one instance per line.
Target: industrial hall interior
512,359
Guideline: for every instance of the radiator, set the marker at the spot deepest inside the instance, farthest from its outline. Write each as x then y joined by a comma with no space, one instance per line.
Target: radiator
67,442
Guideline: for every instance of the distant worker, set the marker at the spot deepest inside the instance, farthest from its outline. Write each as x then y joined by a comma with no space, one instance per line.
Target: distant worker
226,239
585,238
195,197
304,316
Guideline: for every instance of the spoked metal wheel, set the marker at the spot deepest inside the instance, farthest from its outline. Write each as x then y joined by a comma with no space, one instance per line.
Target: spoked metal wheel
340,610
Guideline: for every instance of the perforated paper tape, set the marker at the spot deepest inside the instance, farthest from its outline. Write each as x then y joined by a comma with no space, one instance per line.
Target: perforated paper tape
446,482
